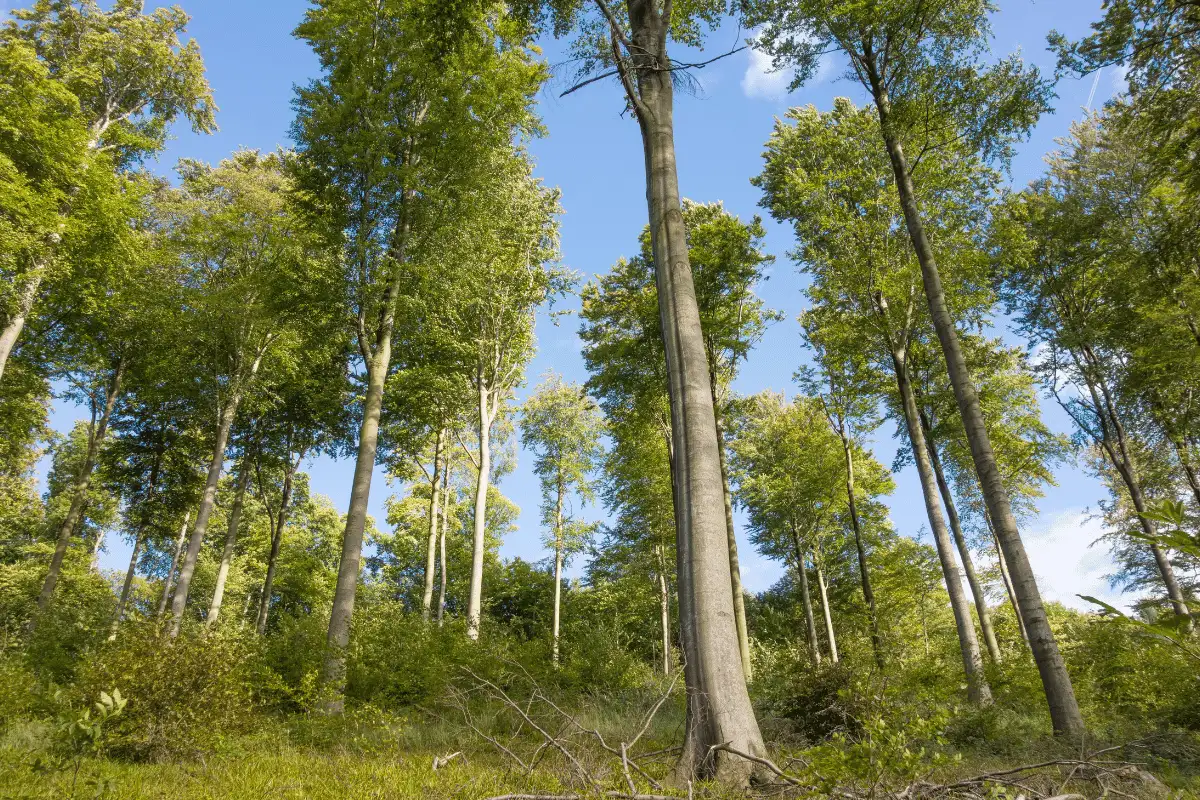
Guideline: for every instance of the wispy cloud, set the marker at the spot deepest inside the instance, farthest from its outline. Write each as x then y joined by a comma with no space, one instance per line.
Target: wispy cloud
1067,563
761,82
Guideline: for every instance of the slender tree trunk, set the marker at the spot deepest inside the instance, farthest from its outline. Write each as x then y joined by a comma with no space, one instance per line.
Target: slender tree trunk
123,600
83,480
664,610
478,538
431,549
268,587
735,569
718,709
863,573
829,634
441,611
235,517
166,592
207,501
1060,695
558,565
978,691
16,323
1008,585
333,673
810,621
960,541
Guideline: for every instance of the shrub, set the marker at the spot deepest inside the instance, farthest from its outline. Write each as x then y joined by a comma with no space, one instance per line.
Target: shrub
185,696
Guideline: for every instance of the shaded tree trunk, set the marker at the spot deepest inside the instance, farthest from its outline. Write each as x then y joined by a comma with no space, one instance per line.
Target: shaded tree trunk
441,611
718,704
1008,585
127,585
810,620
487,401
978,691
83,481
664,610
285,508
735,569
825,611
1060,695
15,324
960,541
558,564
235,517
863,573
179,541
431,549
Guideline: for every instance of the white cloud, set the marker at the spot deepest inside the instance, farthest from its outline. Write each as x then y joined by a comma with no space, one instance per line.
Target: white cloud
1120,80
1067,563
760,81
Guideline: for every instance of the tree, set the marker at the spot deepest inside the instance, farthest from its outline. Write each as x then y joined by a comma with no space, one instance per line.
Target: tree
130,76
384,169
563,426
629,40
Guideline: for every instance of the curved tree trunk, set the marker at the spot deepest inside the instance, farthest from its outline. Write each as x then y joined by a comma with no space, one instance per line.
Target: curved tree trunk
179,541
235,517
718,707
978,691
431,546
285,508
863,573
14,324
960,541
810,620
83,481
1060,695
478,538
735,569
207,501
825,611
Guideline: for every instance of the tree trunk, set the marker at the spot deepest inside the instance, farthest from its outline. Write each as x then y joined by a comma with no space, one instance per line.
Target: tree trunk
119,614
829,634
718,708
735,569
558,565
441,611
1008,585
810,622
864,575
478,538
431,549
978,691
16,323
960,541
166,593
235,517
664,610
83,480
285,507
1060,696
333,672
207,502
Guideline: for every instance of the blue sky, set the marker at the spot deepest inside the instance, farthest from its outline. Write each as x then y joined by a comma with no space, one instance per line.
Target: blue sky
594,155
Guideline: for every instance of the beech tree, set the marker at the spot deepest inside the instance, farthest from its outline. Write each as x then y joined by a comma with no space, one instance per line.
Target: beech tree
112,82
921,63
412,105
563,426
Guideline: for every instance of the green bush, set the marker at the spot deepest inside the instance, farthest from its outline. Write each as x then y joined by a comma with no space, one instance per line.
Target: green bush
185,697
816,701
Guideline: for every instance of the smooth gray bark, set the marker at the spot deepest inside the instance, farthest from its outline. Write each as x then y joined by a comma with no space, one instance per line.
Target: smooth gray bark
235,518
488,402
431,546
127,585
441,609
978,691
1060,695
1008,585
278,528
179,542
863,573
718,707
735,569
558,564
810,621
83,481
829,634
664,610
960,541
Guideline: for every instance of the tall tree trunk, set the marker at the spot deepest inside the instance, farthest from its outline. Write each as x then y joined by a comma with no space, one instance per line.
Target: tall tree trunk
285,508
333,672
207,501
441,611
83,480
558,564
960,541
14,324
123,600
718,708
166,592
478,538
810,621
431,548
735,569
664,610
1008,585
1060,695
863,573
235,517
978,691
825,611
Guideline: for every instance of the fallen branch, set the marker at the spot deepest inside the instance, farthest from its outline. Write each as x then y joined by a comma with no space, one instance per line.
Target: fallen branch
762,762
